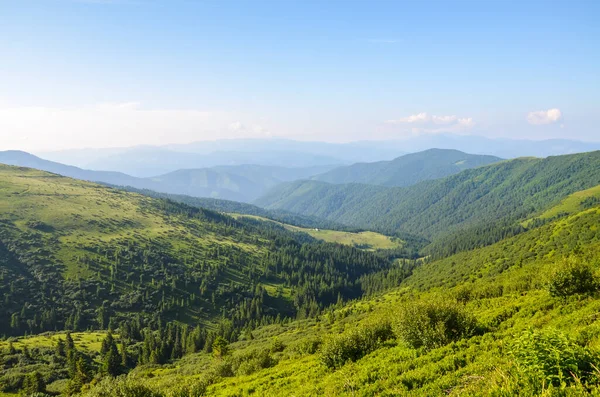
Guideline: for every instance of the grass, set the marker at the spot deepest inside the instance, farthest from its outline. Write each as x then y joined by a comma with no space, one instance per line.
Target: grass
506,289
76,222
88,341
366,240
570,205
503,285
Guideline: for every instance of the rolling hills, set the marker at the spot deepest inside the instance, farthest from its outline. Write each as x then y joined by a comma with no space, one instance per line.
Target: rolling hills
242,182
504,286
514,334
504,192
202,303
71,249
408,169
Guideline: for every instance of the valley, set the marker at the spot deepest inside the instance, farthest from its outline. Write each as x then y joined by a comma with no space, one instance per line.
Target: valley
241,300
299,198
364,240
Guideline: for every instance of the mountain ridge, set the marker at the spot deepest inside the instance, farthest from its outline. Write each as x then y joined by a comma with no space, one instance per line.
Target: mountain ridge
512,188
227,182
408,169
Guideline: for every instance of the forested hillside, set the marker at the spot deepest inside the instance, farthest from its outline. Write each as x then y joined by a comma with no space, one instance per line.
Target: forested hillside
483,198
408,169
518,317
77,256
181,301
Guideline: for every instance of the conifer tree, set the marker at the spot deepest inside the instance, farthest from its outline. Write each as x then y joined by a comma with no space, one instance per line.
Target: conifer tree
34,383
111,359
60,348
220,347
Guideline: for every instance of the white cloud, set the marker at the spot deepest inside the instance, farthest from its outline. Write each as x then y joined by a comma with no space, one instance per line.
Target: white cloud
415,118
423,123
541,117
238,126
116,124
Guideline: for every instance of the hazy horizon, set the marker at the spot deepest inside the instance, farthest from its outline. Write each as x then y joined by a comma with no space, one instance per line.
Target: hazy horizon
96,74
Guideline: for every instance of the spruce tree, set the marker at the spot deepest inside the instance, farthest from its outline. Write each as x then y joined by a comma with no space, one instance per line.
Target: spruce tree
34,383
111,360
60,348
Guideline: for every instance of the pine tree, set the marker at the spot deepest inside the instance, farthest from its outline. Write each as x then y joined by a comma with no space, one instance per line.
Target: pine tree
111,360
60,348
71,354
220,347
124,357
101,317
34,383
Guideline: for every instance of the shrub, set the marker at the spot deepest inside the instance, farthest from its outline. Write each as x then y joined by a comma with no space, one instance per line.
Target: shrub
248,363
11,382
354,344
221,369
259,361
553,358
306,346
277,346
121,387
434,324
573,277
196,389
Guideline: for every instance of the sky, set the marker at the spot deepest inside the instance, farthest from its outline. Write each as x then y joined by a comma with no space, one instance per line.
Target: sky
113,73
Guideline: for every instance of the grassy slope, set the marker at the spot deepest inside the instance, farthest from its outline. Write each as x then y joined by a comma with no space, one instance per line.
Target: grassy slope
506,285
86,341
78,219
367,240
84,213
571,204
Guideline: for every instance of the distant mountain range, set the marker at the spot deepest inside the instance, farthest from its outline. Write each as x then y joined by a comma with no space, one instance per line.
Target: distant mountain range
149,162
408,169
240,183
146,161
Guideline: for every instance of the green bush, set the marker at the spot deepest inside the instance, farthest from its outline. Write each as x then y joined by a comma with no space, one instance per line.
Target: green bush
572,278
121,387
553,358
255,362
354,344
196,389
277,346
306,346
221,369
434,324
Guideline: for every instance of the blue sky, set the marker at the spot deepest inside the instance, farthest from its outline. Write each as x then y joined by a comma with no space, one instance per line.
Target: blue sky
95,73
